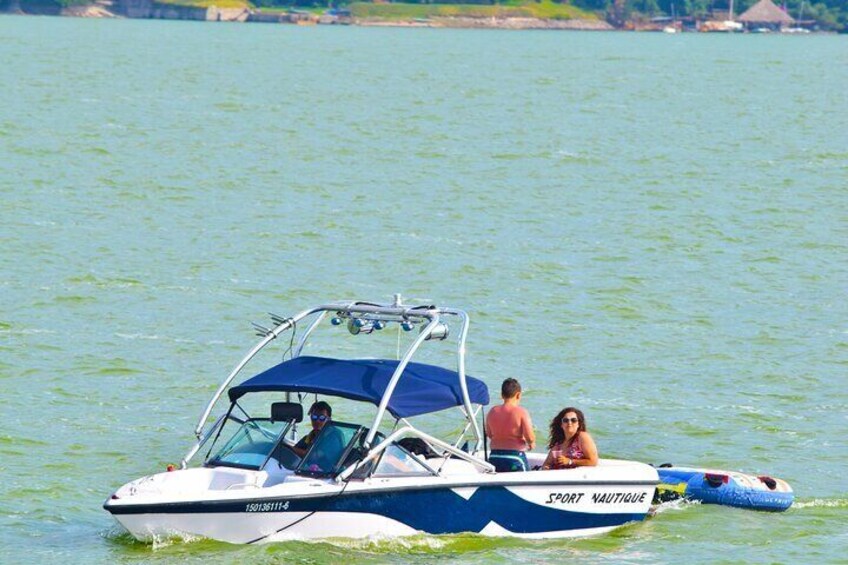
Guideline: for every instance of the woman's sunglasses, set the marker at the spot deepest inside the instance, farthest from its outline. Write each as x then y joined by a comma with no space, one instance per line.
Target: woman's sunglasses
570,420
319,417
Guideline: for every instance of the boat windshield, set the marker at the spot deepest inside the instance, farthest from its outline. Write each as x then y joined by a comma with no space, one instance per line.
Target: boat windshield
338,446
250,445
398,462
331,448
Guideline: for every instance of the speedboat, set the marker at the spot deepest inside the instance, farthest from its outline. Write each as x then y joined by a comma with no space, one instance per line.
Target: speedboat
382,478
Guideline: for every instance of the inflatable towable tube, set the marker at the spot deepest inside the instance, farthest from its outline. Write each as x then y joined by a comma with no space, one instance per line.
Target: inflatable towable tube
723,487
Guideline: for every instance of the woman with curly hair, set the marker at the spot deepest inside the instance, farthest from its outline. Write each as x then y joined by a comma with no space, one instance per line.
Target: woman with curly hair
570,444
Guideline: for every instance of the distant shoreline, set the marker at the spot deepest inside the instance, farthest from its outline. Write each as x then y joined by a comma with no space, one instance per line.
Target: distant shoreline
244,15
150,9
493,23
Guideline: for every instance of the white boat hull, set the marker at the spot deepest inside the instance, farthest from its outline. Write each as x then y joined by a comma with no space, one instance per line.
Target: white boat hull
544,504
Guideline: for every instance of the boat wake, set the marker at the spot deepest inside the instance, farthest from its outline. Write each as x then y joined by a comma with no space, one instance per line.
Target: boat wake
394,544
822,503
442,544
120,536
673,506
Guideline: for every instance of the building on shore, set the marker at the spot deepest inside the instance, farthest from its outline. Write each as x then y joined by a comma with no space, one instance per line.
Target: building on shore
765,16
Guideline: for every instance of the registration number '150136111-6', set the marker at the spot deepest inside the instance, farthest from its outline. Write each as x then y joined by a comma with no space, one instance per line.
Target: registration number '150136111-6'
266,506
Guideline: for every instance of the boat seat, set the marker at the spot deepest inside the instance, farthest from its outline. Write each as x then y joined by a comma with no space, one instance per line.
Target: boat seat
285,411
417,446
229,479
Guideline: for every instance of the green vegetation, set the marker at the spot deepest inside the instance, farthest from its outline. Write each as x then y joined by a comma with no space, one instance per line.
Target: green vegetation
829,14
271,9
208,3
544,9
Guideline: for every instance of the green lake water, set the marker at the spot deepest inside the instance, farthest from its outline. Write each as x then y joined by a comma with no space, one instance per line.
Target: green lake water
653,228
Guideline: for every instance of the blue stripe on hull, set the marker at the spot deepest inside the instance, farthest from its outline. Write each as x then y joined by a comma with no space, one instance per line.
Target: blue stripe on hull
444,512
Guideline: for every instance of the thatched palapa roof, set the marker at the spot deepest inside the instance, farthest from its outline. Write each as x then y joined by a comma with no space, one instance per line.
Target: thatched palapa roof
765,12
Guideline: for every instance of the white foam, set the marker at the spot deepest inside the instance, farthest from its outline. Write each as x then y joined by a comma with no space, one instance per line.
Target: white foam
823,503
673,505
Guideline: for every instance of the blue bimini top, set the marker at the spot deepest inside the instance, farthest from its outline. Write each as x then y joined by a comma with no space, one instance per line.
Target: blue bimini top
421,389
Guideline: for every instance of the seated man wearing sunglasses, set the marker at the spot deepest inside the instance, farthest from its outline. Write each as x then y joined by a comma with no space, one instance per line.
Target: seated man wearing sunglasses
319,414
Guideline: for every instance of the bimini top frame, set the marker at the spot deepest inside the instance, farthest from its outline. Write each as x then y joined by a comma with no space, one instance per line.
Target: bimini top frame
364,312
